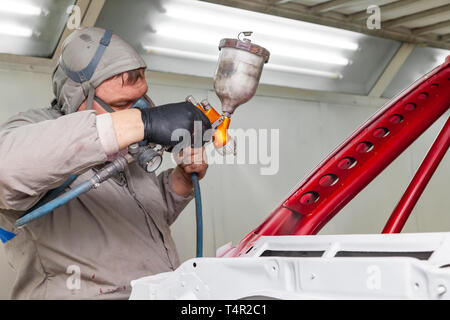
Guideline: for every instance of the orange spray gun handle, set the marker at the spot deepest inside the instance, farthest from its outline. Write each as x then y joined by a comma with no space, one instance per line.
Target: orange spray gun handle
218,122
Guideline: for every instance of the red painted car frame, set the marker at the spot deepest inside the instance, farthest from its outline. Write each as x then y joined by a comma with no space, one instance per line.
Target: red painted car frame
360,158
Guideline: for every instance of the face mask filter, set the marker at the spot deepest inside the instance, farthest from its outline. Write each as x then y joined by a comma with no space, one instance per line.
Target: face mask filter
142,103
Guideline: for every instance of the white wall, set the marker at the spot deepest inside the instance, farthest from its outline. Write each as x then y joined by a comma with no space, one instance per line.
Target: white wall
236,198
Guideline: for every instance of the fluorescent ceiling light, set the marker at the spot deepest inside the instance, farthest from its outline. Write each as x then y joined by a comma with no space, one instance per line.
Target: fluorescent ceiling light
179,53
188,34
201,15
296,52
311,72
309,55
13,30
19,8
212,58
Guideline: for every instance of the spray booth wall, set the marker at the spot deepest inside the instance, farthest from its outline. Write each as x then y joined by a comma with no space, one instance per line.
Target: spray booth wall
237,198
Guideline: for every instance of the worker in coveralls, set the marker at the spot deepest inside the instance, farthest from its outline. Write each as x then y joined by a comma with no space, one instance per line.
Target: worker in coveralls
119,231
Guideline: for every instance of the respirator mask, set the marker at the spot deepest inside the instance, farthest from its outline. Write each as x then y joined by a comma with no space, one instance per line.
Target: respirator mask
141,103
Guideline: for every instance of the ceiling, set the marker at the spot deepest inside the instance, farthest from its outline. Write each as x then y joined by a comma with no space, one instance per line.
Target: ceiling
141,23
46,27
423,22
316,45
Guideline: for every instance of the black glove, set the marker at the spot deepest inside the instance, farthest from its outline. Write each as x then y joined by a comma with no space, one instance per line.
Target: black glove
160,122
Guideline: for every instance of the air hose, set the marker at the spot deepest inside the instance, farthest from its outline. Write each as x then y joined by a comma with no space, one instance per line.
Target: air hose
104,174
56,203
54,200
198,214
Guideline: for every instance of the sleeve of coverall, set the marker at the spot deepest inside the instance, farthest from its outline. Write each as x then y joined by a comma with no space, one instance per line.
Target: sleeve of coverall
37,156
175,202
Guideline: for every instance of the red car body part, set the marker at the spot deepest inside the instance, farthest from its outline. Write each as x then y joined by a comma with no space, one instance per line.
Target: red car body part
419,182
358,160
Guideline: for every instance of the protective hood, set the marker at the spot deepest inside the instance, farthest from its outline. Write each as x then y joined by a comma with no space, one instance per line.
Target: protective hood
79,53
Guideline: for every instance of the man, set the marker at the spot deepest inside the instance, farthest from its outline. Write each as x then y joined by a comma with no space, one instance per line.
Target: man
94,245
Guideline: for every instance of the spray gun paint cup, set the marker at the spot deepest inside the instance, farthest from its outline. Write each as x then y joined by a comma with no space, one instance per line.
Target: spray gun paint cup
235,82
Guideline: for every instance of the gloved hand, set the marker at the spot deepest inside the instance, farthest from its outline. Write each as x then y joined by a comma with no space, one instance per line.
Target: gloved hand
160,122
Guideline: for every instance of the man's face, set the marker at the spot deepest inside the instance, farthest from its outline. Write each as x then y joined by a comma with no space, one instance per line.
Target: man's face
118,93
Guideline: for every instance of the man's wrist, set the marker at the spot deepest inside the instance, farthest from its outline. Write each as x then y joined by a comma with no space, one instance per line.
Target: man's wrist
106,134
128,127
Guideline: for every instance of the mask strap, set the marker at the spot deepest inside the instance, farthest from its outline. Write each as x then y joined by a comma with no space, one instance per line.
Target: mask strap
86,74
103,104
90,98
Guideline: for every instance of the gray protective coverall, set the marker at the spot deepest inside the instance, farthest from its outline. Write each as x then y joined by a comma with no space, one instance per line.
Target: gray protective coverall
111,235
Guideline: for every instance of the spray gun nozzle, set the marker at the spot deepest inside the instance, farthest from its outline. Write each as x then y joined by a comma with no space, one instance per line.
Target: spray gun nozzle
222,141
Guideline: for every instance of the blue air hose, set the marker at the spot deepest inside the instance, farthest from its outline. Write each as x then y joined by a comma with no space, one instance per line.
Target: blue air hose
55,203
84,187
52,194
5,236
198,214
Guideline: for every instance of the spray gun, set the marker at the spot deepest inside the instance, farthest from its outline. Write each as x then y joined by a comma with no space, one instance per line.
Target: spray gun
235,82
236,79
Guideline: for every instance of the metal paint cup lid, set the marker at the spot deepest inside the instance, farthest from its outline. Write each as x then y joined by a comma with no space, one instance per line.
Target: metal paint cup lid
245,45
